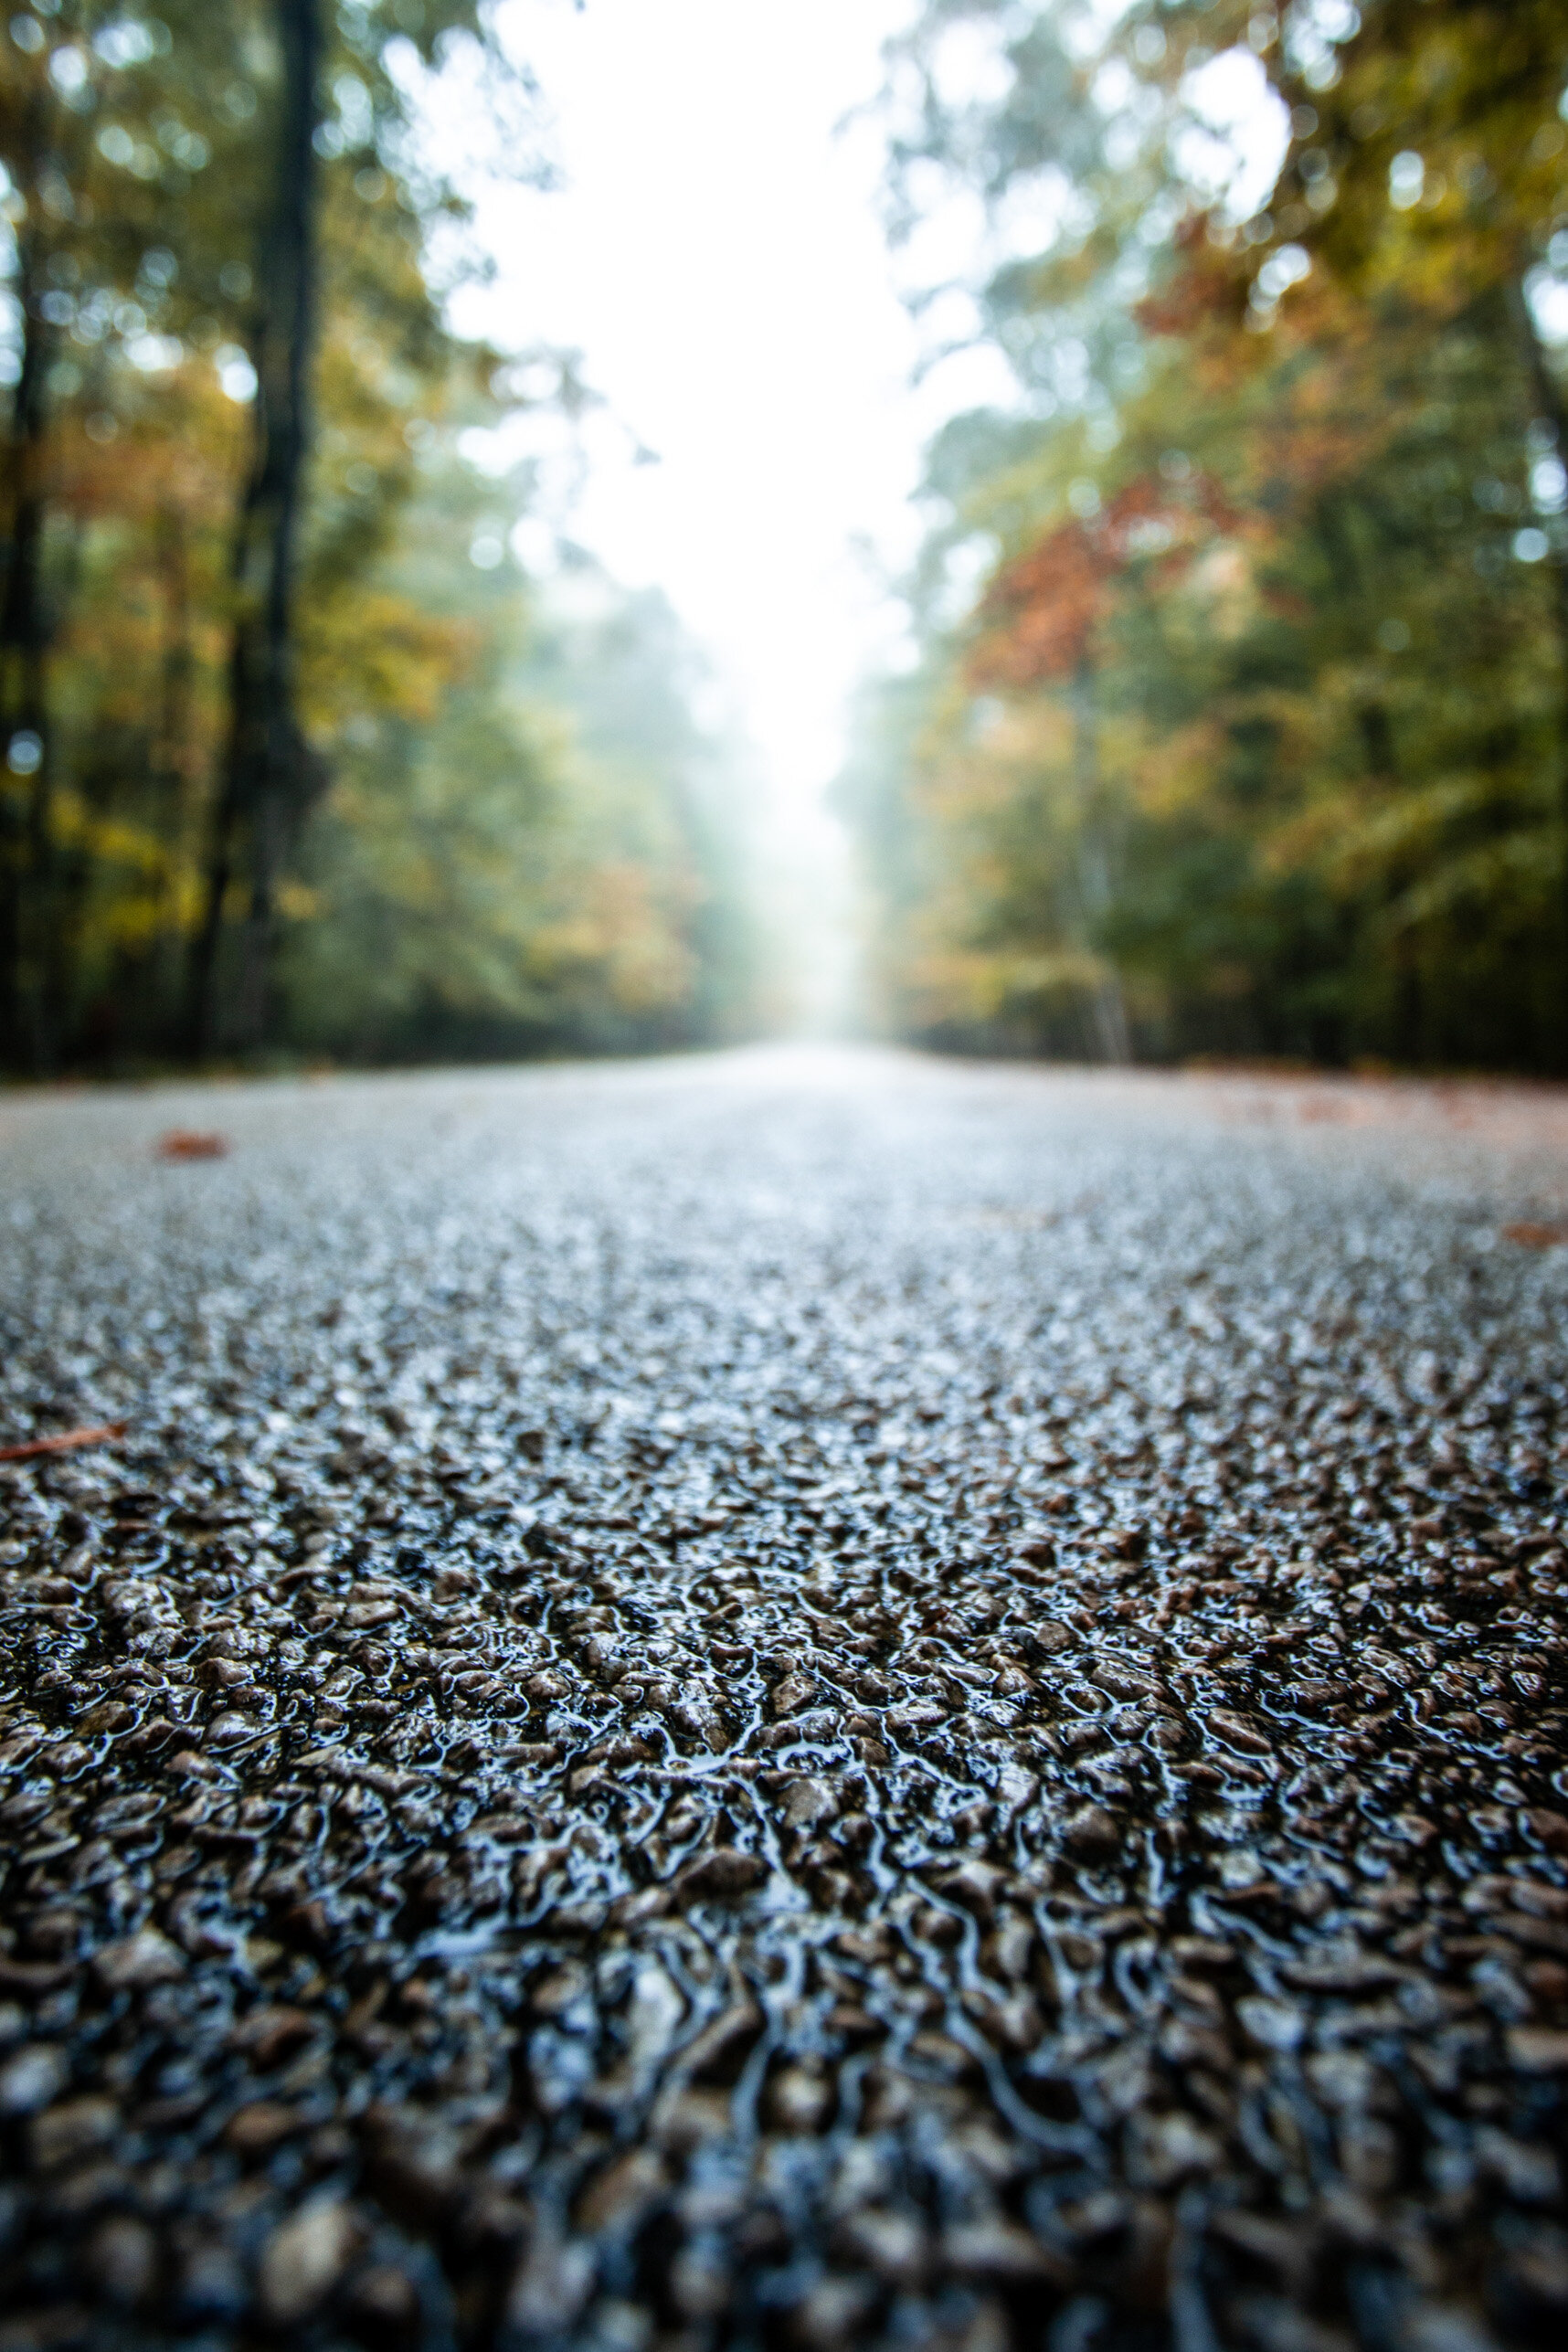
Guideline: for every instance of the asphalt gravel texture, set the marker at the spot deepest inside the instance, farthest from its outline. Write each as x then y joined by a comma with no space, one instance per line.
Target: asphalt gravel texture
790,1700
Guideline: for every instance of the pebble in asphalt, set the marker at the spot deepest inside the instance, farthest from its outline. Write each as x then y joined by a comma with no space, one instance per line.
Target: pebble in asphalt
797,1700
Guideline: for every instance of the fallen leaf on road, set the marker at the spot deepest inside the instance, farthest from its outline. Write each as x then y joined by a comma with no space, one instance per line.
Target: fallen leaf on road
66,1443
190,1143
1536,1236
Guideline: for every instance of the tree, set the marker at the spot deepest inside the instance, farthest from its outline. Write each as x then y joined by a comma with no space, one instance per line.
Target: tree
1429,162
96,137
1263,582
274,774
232,455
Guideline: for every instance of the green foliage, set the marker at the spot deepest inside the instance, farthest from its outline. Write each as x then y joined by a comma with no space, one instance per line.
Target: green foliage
1255,738
551,859
483,869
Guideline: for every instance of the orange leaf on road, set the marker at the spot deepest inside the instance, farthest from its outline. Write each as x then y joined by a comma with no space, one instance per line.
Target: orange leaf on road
66,1443
189,1143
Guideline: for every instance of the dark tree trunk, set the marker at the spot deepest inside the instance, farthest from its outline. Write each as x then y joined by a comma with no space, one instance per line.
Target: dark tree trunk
173,776
1096,882
271,776
1336,540
1554,408
24,716
1377,734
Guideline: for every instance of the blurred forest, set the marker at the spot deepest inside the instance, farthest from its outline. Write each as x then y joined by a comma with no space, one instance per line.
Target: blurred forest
295,758
1240,720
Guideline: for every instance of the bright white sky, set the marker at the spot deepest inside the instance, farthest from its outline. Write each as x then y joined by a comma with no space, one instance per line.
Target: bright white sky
717,255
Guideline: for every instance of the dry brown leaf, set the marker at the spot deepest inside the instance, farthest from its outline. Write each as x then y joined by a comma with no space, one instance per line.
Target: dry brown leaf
191,1143
66,1443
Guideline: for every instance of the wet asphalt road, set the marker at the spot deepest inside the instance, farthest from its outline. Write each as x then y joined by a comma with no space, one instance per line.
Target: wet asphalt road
794,1700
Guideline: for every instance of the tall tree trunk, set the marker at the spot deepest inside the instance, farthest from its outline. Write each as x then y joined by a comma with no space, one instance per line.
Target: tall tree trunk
272,776
173,775
1336,533
1096,884
1552,407
24,712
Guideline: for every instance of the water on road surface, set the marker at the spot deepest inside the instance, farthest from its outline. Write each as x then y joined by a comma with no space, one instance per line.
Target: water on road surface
786,1699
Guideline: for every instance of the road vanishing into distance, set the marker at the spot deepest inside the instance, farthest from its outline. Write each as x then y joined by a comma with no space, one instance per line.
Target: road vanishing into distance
791,1699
